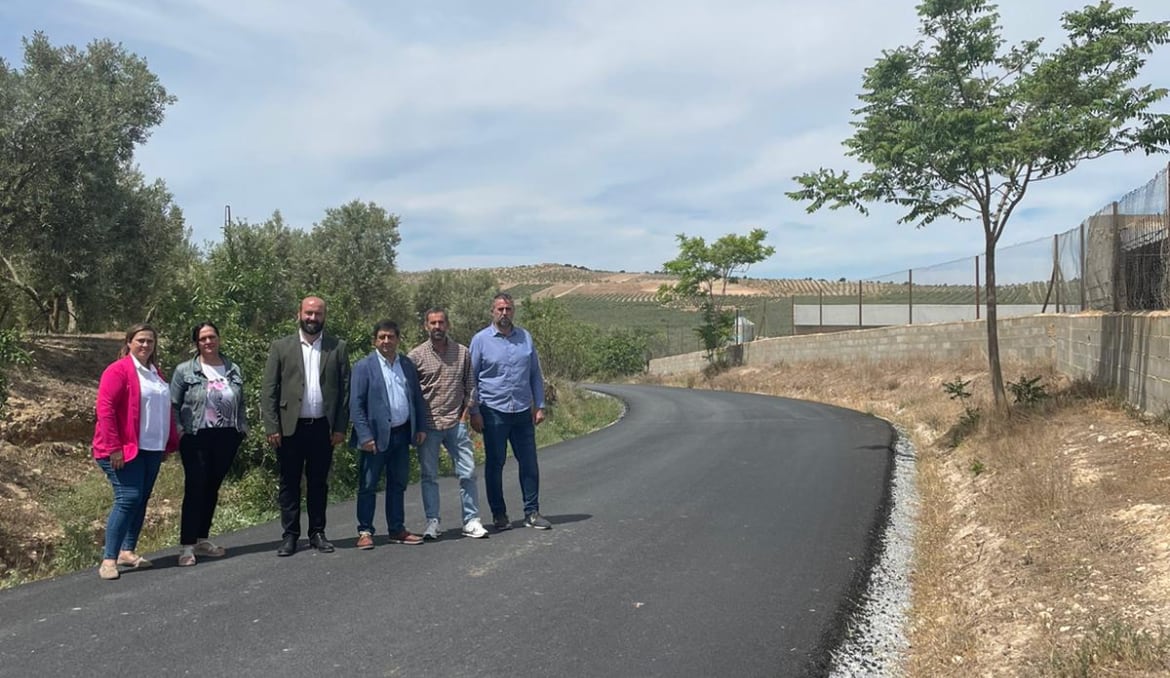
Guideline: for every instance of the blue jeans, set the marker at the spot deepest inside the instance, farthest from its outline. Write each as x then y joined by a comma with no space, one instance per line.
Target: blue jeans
395,462
458,444
499,429
132,485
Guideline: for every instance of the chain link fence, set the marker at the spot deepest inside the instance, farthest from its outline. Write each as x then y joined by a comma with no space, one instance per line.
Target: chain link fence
1115,260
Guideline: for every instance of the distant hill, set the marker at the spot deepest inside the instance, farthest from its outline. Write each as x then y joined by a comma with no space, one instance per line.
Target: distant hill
562,280
610,299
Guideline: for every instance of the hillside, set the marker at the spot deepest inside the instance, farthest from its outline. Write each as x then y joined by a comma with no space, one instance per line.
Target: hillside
44,442
628,300
559,280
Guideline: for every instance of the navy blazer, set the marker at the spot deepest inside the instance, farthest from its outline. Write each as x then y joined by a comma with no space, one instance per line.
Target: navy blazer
369,410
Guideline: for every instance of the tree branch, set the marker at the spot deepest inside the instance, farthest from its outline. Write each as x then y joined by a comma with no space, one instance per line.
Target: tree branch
14,278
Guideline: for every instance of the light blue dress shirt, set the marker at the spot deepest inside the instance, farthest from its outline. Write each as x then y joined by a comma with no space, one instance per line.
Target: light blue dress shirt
506,370
395,381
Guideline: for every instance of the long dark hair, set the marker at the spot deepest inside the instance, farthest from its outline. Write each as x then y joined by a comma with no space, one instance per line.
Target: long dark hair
199,328
135,329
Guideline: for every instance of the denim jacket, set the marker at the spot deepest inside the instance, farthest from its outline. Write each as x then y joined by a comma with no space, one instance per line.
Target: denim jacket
189,394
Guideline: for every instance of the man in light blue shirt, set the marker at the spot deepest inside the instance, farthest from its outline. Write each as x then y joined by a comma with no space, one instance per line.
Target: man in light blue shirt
507,406
388,414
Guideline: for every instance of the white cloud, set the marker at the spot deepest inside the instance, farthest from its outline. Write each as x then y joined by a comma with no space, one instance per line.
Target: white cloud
514,132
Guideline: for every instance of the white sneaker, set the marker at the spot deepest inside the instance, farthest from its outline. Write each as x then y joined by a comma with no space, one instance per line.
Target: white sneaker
474,529
432,531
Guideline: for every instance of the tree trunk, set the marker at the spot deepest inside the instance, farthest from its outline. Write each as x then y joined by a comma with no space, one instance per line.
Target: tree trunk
993,366
55,314
72,314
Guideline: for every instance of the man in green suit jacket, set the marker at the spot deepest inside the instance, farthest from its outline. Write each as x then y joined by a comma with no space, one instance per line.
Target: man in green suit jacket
305,406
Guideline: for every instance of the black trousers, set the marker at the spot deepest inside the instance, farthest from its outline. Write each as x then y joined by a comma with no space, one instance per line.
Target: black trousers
207,455
308,452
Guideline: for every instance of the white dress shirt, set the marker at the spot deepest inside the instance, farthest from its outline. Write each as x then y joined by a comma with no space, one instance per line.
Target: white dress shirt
312,401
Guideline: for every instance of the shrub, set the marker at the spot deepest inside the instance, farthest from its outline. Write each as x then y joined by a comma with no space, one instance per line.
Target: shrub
1027,391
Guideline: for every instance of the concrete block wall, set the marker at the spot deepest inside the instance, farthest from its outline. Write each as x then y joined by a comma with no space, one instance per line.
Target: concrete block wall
1128,352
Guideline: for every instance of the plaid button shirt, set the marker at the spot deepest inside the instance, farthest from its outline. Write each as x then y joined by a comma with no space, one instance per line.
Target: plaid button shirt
446,382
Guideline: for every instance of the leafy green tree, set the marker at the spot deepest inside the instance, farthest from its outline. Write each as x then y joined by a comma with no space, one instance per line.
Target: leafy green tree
256,275
621,352
69,123
248,284
352,265
153,246
576,350
564,344
12,354
960,125
702,268
466,294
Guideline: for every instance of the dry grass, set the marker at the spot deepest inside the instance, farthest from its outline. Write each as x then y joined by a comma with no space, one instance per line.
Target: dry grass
1043,544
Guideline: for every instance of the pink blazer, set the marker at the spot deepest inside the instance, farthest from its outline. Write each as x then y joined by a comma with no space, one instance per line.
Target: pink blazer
118,401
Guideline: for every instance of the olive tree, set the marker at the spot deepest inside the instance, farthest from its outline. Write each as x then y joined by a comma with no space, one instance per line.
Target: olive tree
70,198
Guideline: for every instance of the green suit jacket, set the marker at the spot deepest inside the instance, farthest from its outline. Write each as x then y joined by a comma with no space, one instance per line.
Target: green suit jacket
284,385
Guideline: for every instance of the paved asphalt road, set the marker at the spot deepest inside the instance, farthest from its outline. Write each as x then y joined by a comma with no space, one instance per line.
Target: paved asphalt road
705,534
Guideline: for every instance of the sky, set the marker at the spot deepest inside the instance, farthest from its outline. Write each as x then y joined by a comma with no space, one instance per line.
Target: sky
583,132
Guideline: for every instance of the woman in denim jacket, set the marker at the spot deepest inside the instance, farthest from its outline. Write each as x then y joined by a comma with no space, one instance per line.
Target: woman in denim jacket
207,393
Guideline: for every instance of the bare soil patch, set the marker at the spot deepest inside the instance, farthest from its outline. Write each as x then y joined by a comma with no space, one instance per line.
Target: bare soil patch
44,443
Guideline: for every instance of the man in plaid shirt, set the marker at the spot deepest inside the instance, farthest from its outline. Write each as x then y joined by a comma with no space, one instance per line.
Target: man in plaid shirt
444,373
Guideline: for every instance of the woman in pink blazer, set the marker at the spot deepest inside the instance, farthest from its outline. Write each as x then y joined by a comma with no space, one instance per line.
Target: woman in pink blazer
134,430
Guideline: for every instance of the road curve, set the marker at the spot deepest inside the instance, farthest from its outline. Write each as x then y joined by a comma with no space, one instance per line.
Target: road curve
706,533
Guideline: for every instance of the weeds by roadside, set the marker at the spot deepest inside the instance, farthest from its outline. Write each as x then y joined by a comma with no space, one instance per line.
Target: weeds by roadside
1113,649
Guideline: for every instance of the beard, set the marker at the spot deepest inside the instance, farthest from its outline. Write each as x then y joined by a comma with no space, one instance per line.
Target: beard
504,323
312,326
438,335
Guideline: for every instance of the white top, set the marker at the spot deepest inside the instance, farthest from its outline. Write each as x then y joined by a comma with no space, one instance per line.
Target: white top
154,409
312,401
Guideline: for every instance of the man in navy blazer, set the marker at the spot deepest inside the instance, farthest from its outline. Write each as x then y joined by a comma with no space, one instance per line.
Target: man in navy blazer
388,413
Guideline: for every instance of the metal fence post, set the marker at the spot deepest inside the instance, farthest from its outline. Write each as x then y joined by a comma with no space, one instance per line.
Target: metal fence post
1084,297
859,303
1165,240
820,309
910,298
977,316
1115,224
1057,278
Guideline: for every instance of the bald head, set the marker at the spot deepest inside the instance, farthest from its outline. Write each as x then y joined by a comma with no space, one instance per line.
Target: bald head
311,317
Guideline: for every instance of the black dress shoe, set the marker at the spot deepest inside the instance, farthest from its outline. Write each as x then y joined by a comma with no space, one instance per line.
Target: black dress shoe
319,542
287,547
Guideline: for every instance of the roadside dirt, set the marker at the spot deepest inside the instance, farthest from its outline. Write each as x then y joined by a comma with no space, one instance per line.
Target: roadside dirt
44,442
